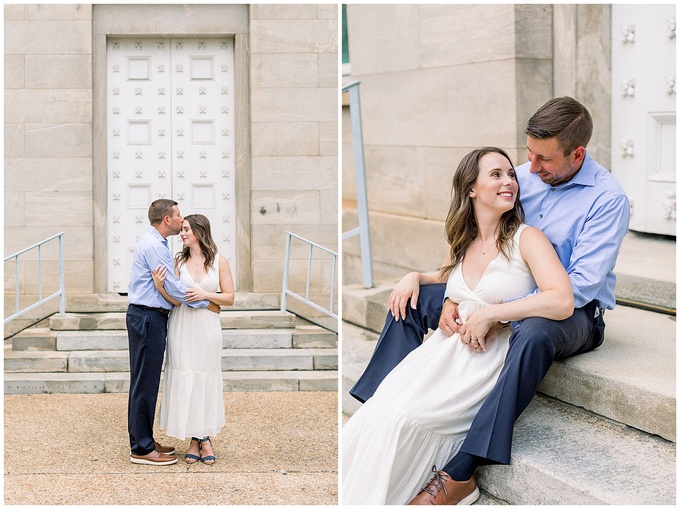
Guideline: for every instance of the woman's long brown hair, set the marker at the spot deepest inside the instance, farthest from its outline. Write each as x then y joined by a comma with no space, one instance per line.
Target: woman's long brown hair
461,226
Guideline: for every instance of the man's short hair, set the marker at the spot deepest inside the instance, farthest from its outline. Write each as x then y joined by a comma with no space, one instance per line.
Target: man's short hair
159,209
565,118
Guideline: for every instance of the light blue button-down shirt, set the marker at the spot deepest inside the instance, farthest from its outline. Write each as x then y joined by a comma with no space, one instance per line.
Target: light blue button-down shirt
150,252
585,219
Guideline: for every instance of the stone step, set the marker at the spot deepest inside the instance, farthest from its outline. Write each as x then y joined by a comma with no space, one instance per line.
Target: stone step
645,271
564,456
253,319
311,336
32,362
268,359
109,361
43,339
630,378
96,383
35,339
113,302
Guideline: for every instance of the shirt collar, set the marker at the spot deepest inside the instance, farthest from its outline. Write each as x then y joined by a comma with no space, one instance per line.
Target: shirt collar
585,176
156,234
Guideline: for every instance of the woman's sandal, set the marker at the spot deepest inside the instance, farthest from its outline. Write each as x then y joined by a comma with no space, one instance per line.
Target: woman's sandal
192,458
205,459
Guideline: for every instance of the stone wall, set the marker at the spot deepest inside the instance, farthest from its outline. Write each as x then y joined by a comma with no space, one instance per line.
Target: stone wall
48,141
294,77
438,81
55,157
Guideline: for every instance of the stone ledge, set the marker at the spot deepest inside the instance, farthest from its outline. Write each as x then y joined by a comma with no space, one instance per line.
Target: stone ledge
35,361
118,340
55,383
265,360
35,339
257,319
310,336
97,383
565,456
113,302
630,378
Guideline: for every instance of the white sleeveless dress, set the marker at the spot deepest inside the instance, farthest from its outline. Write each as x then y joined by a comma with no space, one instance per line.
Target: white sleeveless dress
192,403
422,411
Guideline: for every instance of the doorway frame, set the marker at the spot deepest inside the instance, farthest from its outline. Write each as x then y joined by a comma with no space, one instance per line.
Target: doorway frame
197,21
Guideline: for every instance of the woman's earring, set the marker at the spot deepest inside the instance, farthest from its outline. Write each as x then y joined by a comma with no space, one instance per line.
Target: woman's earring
472,194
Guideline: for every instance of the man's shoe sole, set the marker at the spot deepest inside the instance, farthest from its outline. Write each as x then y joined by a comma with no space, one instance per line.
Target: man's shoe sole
168,453
141,461
471,498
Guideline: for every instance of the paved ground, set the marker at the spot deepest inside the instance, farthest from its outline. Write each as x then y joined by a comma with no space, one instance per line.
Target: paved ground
277,448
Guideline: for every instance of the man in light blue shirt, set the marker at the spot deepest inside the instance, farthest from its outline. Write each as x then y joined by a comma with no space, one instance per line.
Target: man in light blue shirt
146,321
584,213
594,205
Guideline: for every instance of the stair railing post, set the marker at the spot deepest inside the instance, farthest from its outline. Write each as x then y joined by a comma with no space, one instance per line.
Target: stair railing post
62,285
286,263
360,175
16,286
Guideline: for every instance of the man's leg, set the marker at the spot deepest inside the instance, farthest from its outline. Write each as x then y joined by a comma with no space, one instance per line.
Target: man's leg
399,338
534,345
146,338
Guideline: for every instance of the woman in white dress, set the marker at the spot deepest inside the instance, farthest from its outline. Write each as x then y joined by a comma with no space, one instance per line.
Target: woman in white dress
422,411
192,403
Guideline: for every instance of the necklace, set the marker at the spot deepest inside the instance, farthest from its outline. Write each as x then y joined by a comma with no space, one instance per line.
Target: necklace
481,247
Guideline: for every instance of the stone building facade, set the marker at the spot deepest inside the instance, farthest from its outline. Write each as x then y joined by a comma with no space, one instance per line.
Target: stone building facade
440,80
58,141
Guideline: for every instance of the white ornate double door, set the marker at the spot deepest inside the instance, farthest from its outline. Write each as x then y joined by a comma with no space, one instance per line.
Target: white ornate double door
170,127
644,113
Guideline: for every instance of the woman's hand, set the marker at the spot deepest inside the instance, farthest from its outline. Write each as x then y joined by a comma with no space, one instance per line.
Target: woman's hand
407,288
195,294
475,331
158,276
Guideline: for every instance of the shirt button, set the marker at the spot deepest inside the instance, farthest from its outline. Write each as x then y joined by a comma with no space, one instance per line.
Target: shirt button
540,216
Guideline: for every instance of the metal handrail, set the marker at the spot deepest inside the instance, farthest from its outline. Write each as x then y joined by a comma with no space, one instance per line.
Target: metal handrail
61,293
363,229
285,292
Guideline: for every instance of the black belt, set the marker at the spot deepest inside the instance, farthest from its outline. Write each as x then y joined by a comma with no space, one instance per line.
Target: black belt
166,312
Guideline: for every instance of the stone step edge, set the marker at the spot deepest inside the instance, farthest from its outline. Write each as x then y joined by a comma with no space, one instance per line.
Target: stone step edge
235,352
104,302
637,290
99,383
229,319
540,472
548,462
118,360
44,339
635,406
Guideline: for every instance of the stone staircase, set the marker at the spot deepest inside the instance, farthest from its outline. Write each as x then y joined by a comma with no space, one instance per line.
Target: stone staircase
86,351
602,429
